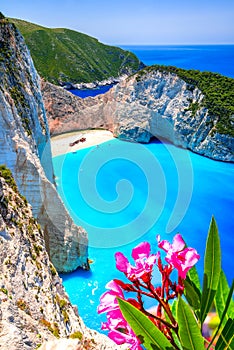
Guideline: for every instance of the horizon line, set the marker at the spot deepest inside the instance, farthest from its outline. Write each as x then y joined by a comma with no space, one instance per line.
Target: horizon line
170,44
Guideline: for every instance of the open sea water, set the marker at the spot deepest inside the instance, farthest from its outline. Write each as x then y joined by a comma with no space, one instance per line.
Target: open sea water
125,193
210,58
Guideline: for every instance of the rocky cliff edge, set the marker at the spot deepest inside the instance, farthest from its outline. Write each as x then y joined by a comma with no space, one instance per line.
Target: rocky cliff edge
34,308
155,102
25,149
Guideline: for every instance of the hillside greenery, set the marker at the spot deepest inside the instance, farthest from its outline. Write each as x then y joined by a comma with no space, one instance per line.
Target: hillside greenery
11,76
217,89
64,55
7,175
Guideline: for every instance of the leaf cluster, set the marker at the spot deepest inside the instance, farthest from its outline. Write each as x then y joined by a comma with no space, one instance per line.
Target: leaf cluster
191,315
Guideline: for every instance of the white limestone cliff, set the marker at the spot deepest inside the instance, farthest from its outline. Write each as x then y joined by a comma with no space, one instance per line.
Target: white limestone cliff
139,108
34,308
158,105
25,149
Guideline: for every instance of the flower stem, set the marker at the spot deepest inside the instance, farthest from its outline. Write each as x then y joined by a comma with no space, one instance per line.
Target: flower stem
167,324
166,307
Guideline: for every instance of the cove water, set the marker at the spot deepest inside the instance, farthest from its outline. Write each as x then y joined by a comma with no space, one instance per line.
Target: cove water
125,193
91,92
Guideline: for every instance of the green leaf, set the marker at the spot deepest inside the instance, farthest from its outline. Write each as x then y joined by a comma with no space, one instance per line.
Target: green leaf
221,298
226,337
174,313
227,305
193,290
192,295
189,331
192,275
174,308
212,268
152,338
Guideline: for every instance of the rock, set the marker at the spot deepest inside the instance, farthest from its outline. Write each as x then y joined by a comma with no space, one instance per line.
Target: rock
95,84
133,134
62,344
34,307
25,149
66,112
72,344
137,109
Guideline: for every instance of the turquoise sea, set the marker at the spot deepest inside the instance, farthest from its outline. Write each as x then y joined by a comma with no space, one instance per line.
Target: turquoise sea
125,193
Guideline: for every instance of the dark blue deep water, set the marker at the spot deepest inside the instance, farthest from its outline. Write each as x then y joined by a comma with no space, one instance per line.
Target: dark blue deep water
125,193
91,92
212,58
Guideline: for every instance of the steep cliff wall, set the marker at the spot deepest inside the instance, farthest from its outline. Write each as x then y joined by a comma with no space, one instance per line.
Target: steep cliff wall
66,112
34,308
25,149
154,103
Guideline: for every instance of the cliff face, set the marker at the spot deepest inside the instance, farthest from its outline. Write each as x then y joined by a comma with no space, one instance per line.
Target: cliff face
34,308
139,108
67,112
25,149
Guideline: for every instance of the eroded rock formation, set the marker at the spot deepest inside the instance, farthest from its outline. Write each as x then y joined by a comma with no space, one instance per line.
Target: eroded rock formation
67,112
25,149
156,104
34,307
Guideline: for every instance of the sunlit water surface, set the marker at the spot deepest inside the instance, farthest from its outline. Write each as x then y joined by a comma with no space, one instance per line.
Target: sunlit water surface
125,193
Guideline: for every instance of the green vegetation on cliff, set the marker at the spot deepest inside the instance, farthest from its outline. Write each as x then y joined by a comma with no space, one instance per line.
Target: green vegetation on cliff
11,79
7,175
66,55
217,89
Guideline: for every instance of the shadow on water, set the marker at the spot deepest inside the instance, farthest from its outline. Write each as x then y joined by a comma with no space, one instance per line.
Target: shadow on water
83,93
155,140
79,273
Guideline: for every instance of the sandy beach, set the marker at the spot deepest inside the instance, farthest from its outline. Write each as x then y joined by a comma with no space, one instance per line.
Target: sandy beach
60,144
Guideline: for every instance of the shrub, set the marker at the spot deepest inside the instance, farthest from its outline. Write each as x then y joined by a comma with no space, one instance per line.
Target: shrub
53,270
7,175
76,335
22,305
4,290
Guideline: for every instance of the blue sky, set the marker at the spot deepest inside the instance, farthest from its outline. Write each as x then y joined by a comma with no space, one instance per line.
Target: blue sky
132,21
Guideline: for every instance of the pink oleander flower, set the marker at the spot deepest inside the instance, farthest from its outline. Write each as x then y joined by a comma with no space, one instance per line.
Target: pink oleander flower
108,301
178,256
125,338
115,320
144,262
119,330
